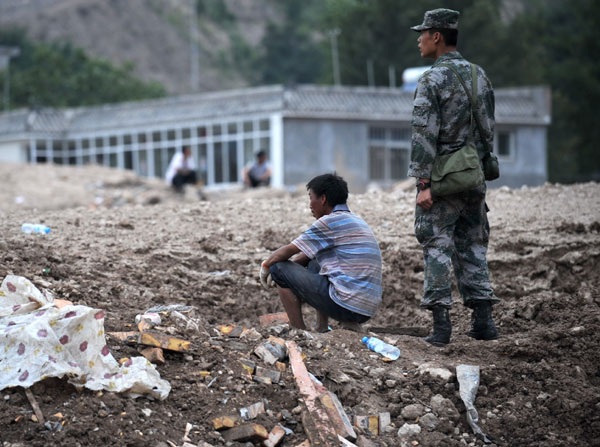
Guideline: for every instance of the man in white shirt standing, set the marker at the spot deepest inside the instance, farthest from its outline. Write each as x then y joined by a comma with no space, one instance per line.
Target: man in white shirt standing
181,169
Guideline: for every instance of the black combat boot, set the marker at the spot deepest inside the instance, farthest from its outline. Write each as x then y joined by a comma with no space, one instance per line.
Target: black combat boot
482,323
442,328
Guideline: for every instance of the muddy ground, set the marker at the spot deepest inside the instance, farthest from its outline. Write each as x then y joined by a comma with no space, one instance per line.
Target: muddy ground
125,244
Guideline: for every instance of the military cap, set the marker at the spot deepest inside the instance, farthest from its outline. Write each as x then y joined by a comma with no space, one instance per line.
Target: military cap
439,18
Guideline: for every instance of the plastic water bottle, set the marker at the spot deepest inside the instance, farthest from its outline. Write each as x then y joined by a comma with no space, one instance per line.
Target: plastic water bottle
381,347
29,228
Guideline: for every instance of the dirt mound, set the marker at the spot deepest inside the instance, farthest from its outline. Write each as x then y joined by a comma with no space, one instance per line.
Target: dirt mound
540,382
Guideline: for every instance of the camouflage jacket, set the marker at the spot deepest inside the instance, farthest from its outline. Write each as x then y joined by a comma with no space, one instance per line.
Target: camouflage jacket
442,113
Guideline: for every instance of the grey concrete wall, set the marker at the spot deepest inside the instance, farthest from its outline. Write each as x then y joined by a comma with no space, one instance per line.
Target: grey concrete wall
528,164
312,147
13,151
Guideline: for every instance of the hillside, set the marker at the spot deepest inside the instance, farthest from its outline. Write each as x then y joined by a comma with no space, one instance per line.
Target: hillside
154,35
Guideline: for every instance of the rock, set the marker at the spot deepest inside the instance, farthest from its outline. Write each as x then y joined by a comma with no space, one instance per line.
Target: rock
147,412
429,421
412,411
444,407
102,413
436,371
364,442
408,430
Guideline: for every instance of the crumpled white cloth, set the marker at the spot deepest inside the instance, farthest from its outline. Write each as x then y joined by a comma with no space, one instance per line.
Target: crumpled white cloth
38,340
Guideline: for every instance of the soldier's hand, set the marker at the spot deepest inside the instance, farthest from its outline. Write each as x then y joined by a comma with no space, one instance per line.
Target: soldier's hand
424,199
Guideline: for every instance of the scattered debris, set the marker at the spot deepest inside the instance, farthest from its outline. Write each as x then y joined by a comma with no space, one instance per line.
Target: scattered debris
316,422
274,319
247,432
224,422
34,405
154,355
70,339
252,411
468,381
275,436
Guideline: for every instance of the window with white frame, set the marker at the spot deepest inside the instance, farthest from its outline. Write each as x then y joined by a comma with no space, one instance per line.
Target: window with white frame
504,143
220,148
389,153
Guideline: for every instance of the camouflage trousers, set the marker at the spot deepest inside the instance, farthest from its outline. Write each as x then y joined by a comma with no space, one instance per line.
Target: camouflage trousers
454,234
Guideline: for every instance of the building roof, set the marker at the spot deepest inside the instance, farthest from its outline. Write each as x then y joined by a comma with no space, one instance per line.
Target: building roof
526,105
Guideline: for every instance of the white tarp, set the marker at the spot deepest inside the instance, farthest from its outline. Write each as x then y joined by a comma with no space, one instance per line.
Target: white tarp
38,340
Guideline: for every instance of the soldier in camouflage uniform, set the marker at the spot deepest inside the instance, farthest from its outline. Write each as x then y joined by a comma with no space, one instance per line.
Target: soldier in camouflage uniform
453,230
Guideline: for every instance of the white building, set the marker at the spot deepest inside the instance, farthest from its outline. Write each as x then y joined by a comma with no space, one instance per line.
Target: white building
362,133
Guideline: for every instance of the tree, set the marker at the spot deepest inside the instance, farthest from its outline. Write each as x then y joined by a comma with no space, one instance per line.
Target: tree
60,75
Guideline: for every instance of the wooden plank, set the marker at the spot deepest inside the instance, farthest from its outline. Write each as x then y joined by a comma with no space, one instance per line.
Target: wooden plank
35,406
316,422
338,416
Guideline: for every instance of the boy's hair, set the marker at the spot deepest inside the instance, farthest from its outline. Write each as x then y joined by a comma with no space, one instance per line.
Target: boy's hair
333,186
450,36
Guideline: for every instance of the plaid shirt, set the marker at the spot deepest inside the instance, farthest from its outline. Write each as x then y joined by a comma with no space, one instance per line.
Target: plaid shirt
346,249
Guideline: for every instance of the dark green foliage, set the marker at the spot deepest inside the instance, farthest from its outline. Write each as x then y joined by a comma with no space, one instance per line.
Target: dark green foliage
291,52
215,10
61,75
532,42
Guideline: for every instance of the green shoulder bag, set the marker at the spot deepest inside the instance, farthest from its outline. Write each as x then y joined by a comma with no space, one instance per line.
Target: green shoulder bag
460,170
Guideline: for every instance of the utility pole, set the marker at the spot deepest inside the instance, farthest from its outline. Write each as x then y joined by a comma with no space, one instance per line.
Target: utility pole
194,54
333,33
6,53
370,73
392,76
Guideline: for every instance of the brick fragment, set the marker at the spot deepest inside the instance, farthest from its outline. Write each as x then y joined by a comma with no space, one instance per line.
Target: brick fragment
263,380
248,366
160,340
252,411
247,432
273,319
127,337
369,424
273,375
154,355
275,436
224,422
